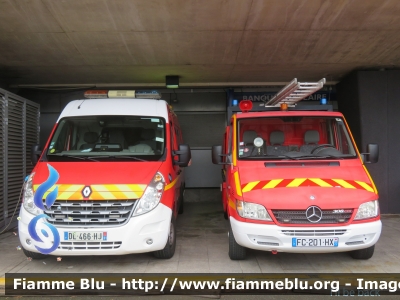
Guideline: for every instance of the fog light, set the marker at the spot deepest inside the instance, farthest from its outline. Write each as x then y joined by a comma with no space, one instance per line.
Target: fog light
149,242
28,241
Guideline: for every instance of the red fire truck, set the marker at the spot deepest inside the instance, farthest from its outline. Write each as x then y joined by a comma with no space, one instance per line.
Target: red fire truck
294,181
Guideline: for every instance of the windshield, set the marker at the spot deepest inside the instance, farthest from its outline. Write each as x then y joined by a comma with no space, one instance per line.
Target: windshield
100,138
294,138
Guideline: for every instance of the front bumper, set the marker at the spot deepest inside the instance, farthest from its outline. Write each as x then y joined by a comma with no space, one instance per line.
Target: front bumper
272,237
125,239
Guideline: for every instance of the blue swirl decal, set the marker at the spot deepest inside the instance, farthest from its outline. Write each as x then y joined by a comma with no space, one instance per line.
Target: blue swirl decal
32,229
44,187
35,227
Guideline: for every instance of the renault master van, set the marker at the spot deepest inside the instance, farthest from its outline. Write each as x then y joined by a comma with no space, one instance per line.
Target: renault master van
109,181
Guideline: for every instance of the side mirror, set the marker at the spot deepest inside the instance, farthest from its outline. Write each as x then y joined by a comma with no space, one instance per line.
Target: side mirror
216,155
35,154
372,154
184,155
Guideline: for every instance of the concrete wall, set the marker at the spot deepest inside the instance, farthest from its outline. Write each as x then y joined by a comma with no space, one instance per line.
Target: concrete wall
370,101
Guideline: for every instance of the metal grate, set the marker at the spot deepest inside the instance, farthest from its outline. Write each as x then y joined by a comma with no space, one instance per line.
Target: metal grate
334,232
3,170
31,133
19,129
299,217
89,245
15,149
90,213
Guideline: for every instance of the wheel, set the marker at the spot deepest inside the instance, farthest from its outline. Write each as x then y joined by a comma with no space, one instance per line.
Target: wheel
363,253
236,252
322,146
169,249
34,255
226,215
181,199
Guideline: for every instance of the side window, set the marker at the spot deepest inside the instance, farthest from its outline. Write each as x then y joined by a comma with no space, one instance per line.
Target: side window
174,144
228,147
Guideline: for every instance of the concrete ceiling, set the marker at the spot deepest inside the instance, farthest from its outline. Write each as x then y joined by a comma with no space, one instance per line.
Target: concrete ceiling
202,41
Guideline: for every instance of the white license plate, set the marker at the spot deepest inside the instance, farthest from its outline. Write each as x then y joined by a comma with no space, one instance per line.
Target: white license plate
85,236
315,242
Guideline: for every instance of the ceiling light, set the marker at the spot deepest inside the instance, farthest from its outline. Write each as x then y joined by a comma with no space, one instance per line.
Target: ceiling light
172,82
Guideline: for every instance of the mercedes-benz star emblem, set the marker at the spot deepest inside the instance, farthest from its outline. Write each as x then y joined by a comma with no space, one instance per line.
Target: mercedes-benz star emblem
314,214
312,197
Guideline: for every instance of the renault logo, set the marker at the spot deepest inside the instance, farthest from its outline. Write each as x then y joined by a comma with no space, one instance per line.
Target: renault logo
86,192
314,214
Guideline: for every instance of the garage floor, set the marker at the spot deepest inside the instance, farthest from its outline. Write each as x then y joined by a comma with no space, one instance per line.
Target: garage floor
202,246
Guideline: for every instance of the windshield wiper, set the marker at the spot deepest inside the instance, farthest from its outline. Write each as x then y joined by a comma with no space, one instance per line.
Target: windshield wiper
271,156
77,157
119,156
319,156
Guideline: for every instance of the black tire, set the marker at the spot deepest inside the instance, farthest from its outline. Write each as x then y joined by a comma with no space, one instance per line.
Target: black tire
363,253
236,252
225,215
180,210
34,255
169,249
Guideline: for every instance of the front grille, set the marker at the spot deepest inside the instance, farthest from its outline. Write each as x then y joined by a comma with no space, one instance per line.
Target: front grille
90,213
89,245
299,217
334,232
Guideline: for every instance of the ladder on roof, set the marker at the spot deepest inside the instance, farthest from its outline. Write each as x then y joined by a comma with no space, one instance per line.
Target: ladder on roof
295,92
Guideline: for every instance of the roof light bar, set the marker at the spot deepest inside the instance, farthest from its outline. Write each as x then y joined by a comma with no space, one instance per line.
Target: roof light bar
142,94
96,94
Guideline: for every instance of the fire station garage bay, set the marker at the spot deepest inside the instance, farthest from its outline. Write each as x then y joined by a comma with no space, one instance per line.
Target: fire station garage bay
204,57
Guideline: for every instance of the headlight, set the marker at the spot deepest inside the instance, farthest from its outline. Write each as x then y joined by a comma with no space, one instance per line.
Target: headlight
367,210
151,196
27,197
252,211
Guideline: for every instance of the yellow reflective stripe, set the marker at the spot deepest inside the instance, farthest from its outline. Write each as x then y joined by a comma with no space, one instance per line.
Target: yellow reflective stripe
231,203
68,191
370,179
320,182
296,182
234,149
171,184
273,183
344,183
365,186
107,195
237,183
249,186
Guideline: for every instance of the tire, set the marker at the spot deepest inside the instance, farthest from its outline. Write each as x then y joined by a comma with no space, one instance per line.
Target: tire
236,252
169,249
363,253
34,255
225,215
180,210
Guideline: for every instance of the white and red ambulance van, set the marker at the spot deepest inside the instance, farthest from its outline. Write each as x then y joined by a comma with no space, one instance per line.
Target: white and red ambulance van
294,181
109,181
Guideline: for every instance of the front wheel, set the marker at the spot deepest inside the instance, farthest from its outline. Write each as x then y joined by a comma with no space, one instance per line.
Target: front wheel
169,249
236,252
363,253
